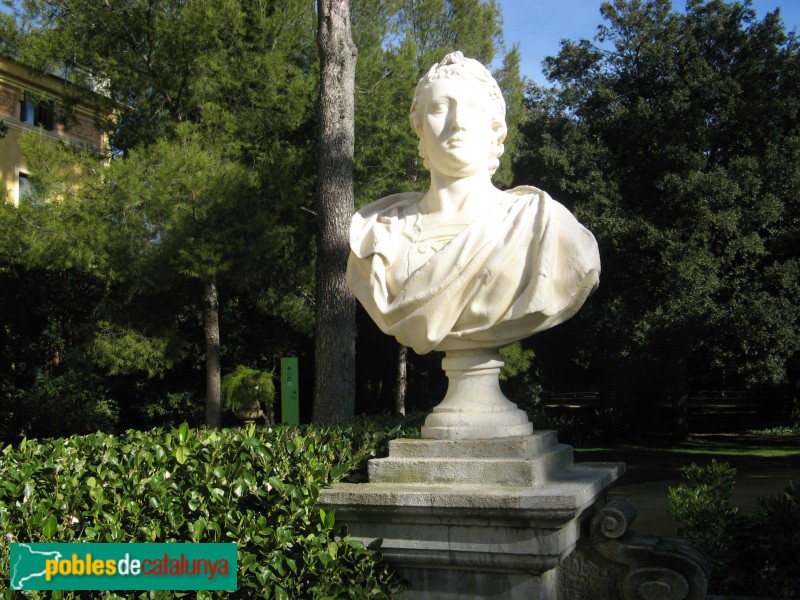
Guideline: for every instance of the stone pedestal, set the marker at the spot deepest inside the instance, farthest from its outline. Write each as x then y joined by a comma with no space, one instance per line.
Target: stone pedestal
474,407
475,518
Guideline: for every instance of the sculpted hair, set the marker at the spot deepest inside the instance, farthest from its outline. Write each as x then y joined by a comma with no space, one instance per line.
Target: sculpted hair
457,65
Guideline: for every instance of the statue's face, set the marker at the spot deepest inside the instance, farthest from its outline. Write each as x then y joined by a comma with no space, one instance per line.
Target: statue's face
457,131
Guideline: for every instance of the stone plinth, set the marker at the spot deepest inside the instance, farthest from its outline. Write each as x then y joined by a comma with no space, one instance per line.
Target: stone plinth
474,518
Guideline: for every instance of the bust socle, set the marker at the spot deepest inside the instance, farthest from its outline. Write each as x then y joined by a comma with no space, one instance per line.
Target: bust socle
466,268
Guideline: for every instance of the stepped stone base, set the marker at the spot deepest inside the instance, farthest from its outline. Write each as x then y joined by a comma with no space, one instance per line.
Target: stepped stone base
475,518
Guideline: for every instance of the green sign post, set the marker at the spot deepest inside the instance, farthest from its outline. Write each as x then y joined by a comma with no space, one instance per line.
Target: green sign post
290,391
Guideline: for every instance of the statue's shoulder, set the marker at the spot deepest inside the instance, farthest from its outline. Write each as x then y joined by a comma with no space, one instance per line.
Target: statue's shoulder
537,198
373,226
391,203
528,197
527,190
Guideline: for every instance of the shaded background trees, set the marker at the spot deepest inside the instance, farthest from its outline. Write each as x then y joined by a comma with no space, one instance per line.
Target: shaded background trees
674,138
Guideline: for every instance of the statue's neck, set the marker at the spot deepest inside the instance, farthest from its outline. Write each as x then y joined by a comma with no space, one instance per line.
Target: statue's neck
457,196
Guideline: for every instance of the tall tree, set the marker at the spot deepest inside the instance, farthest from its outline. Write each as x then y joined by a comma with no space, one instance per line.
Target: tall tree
667,145
334,390
438,26
229,83
163,214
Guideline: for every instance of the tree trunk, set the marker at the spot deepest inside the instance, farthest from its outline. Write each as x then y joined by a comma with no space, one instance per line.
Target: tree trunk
213,378
334,378
400,393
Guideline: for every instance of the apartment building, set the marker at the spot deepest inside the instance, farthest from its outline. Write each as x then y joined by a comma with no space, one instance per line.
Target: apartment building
30,102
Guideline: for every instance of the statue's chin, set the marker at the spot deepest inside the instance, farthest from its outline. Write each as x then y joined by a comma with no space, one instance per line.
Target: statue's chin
459,164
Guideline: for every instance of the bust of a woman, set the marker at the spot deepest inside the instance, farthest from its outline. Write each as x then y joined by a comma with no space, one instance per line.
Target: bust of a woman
466,268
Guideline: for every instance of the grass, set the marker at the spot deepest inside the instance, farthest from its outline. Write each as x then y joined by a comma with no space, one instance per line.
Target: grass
658,459
754,451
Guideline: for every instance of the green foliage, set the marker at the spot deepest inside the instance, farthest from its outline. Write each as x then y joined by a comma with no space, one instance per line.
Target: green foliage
257,487
701,505
667,136
246,387
176,60
513,87
517,360
154,225
64,234
125,351
472,26
213,116
768,543
172,407
581,428
753,554
47,386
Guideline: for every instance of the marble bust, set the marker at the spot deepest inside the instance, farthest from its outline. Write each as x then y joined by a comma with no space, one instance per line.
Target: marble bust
466,268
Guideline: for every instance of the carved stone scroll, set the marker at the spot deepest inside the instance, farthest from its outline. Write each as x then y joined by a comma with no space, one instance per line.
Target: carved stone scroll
658,568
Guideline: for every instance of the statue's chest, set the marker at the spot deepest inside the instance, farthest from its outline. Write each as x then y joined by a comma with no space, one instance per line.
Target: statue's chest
420,243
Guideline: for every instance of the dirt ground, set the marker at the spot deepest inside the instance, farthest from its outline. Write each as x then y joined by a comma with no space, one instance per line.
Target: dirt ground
651,470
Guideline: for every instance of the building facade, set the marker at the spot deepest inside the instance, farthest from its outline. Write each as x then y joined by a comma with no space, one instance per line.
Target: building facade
30,102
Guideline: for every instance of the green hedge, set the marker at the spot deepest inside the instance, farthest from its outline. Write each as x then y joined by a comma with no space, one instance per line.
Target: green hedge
258,487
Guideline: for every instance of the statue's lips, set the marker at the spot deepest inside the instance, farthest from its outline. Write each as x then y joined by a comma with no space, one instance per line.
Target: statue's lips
457,143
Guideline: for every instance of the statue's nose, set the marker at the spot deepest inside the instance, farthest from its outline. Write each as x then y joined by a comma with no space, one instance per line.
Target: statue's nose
458,122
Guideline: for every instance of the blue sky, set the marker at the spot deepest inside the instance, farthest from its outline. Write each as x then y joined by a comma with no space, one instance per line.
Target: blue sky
540,25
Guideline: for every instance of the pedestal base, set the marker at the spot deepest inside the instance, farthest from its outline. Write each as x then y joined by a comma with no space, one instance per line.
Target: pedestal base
474,519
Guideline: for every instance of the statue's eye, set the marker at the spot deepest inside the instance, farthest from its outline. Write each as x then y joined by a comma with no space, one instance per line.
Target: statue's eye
439,107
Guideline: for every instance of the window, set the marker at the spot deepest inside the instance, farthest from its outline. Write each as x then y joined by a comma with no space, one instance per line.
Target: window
39,113
24,188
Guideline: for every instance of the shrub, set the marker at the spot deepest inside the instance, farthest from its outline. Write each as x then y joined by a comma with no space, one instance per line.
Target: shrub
702,506
753,554
258,487
766,547
66,404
